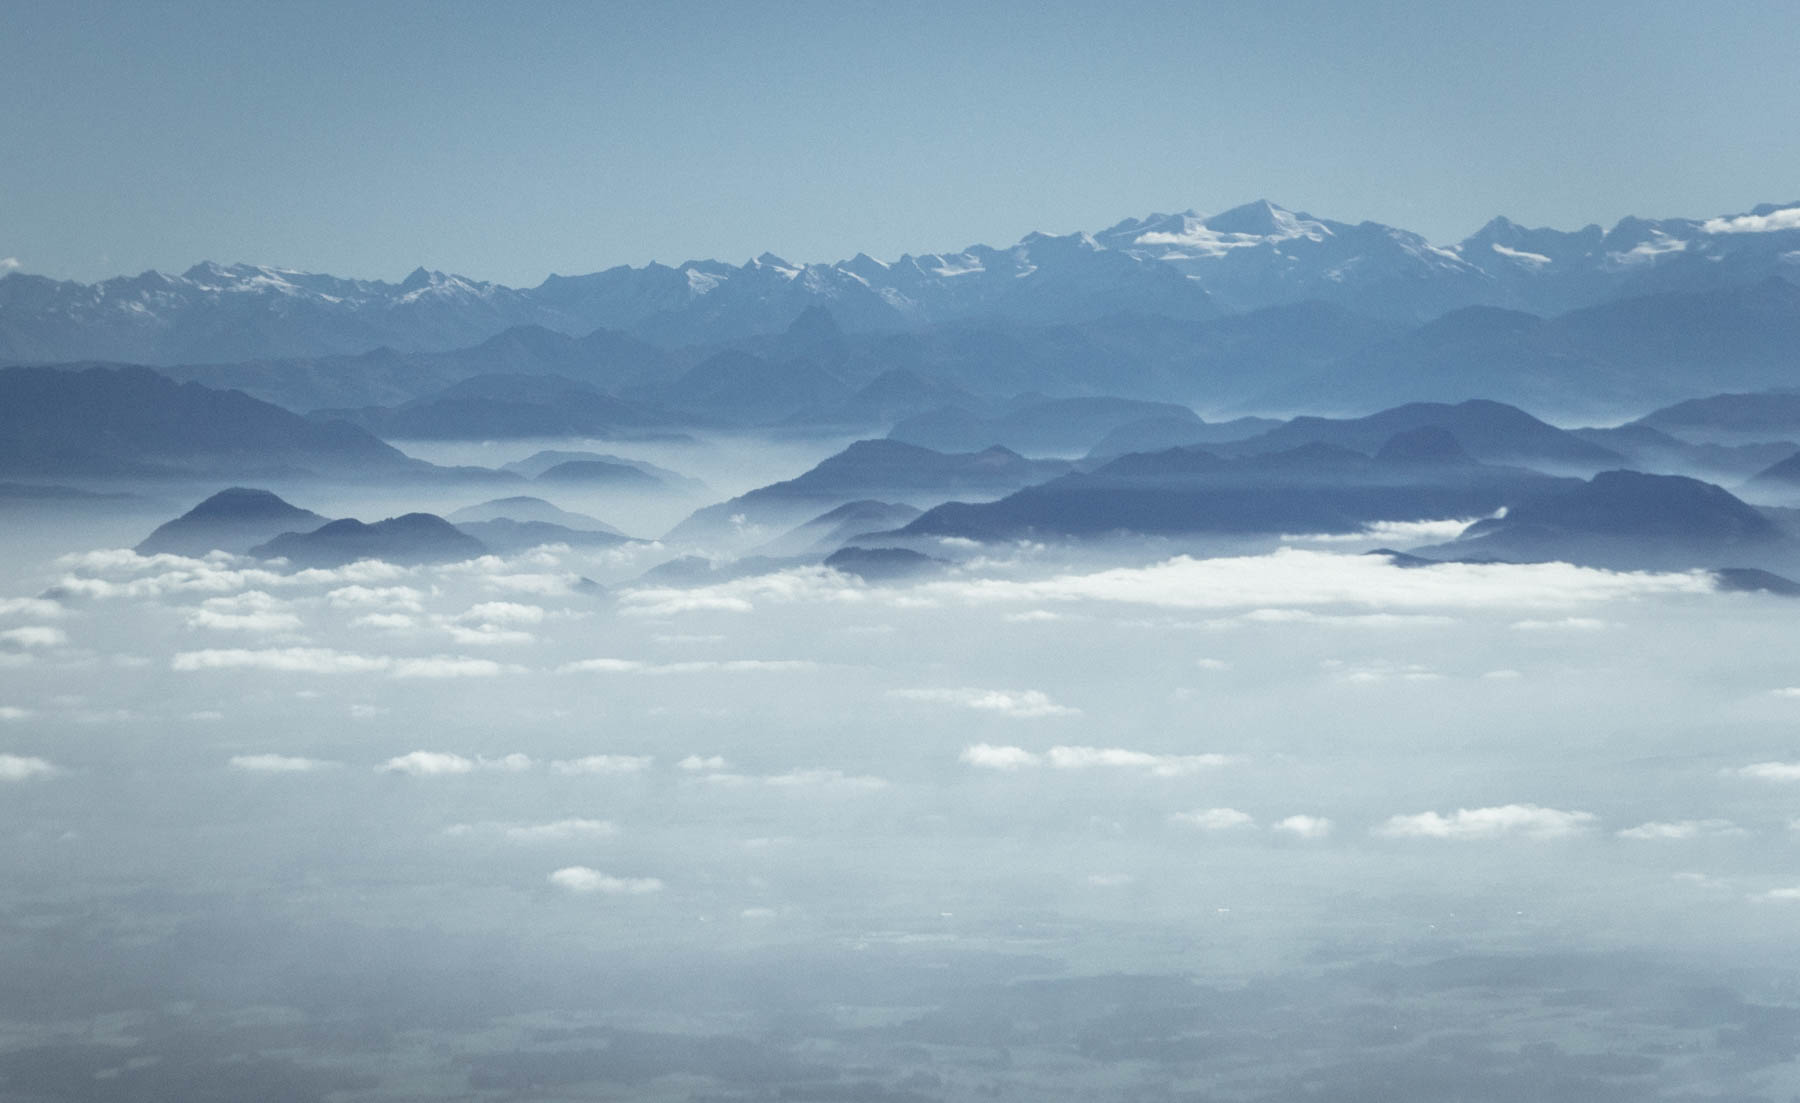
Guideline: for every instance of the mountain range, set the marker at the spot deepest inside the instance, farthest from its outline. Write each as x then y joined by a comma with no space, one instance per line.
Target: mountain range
1181,266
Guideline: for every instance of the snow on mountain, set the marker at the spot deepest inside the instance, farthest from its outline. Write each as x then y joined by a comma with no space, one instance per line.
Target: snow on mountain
1181,265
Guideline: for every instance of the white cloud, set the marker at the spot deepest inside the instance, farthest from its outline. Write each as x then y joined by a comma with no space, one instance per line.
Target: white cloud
8,264
1300,577
502,612
1376,671
1161,765
488,635
277,763
307,660
450,666
1681,829
1786,219
21,768
243,622
1561,624
1769,771
377,597
41,608
825,779
560,831
427,764
1305,827
554,832
13,712
702,762
389,622
699,666
603,764
990,757
34,635
1212,664
1529,820
581,879
1110,880
1778,896
1021,704
322,660
1214,819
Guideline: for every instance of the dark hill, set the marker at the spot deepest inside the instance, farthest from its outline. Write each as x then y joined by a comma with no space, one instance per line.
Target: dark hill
1314,488
1626,519
409,539
130,420
1492,432
233,520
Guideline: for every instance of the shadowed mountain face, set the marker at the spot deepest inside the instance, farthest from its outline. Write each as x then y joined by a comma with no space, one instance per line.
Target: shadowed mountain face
832,530
511,407
1730,418
1627,518
132,421
1068,426
1603,361
1492,432
1183,266
233,520
409,539
507,536
527,509
878,469
1316,488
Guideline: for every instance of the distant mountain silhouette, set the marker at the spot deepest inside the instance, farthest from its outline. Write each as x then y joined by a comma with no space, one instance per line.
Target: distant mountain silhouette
113,421
507,536
539,462
1315,488
832,530
1626,518
528,509
1731,418
1154,434
233,520
886,470
412,538
1492,432
883,564
1066,426
600,473
512,407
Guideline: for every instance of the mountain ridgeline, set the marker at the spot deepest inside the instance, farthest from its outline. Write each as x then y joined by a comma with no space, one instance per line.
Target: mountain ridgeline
1257,308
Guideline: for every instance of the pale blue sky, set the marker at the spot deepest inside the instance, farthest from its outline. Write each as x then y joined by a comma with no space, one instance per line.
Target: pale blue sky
510,140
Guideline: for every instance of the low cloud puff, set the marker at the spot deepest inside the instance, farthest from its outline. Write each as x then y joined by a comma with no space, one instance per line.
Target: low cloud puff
1529,820
1681,829
324,660
1769,771
1304,826
554,832
699,666
1214,819
1021,704
991,757
34,635
1785,219
277,763
603,764
22,768
581,879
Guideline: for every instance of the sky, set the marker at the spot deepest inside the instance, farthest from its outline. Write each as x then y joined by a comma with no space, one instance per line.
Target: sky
507,142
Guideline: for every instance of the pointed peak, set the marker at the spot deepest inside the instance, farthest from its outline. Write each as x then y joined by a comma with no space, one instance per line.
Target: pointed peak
1260,218
417,279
